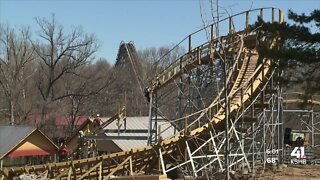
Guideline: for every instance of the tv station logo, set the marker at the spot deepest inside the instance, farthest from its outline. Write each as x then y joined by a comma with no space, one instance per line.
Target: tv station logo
299,154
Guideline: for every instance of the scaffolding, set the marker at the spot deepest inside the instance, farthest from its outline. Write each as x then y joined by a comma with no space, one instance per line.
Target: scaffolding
218,132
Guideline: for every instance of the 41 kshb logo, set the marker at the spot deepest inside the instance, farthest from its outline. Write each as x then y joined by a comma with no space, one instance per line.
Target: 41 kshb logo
298,152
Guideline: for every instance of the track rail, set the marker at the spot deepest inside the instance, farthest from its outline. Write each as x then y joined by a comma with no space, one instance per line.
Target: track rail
249,76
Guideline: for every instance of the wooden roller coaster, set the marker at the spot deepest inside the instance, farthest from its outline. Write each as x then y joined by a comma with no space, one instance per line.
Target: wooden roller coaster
247,78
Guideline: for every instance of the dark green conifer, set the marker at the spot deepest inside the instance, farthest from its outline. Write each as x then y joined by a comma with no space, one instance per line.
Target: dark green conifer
297,55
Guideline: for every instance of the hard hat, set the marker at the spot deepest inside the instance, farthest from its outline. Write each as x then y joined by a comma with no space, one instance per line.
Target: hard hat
98,115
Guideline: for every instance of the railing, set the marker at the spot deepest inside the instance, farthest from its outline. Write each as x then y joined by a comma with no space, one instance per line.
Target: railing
217,104
207,47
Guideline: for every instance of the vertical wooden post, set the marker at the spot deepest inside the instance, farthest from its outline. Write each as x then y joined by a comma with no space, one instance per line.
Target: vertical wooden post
130,162
199,55
110,162
162,163
100,171
280,16
50,172
211,28
261,13
73,168
26,170
247,19
230,25
190,47
272,19
132,167
70,173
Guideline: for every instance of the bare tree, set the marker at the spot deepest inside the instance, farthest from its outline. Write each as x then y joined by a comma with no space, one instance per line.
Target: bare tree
60,54
156,59
15,55
84,88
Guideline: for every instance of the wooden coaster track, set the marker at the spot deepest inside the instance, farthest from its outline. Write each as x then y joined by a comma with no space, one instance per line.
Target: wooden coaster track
248,75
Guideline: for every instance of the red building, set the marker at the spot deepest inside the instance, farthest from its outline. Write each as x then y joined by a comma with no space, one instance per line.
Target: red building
23,145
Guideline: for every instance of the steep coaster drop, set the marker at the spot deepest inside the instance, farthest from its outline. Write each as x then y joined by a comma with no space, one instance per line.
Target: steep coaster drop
203,144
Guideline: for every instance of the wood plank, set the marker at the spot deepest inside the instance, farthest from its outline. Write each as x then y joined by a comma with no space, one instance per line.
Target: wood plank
117,168
90,170
65,172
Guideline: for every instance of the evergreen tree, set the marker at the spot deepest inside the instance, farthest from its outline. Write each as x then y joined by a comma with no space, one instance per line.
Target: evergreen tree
297,55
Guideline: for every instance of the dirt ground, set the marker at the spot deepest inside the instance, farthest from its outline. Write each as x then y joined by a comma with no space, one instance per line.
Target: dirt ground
302,172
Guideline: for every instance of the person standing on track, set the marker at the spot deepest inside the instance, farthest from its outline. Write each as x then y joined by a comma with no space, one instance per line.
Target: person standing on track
97,121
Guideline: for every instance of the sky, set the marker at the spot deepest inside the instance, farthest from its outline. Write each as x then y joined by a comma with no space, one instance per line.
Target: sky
147,23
